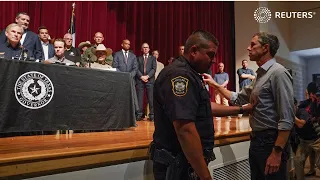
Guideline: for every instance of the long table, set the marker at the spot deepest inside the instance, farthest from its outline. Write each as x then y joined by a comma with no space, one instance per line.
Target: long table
48,97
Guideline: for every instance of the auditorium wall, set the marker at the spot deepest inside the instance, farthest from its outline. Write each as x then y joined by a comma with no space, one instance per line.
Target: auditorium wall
305,32
313,67
245,27
289,32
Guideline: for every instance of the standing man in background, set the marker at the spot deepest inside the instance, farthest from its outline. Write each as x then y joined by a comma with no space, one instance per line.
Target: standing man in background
147,66
89,55
221,78
126,61
71,53
160,65
245,74
48,49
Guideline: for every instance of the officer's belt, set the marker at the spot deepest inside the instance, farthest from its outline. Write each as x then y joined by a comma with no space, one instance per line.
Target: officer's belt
165,157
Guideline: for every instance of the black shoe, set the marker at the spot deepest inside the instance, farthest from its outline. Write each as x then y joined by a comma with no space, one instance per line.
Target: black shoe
139,118
311,173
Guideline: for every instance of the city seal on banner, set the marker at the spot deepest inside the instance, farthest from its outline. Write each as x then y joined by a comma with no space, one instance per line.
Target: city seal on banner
33,90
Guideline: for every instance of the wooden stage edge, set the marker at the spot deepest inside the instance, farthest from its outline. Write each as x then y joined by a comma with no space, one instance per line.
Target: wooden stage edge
47,154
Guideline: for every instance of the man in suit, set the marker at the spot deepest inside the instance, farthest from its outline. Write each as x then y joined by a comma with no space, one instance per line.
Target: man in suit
126,61
147,66
30,41
47,48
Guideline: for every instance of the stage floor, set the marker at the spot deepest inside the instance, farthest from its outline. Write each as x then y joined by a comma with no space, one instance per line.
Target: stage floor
132,143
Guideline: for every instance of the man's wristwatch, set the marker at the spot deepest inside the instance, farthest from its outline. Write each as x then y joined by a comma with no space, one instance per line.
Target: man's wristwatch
241,110
278,149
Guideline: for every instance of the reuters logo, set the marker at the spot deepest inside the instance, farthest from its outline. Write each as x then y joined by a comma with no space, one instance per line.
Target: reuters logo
262,15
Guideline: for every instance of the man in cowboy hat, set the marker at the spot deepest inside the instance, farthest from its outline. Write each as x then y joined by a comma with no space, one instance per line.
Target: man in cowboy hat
83,46
104,57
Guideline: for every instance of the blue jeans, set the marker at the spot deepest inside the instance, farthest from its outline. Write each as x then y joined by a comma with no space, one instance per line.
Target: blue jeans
261,146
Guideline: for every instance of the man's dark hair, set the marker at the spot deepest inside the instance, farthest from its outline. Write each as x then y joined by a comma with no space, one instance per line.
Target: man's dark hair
200,38
42,27
60,40
19,13
312,88
272,40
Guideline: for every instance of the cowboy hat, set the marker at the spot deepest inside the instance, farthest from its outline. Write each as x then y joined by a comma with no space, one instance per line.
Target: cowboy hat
101,47
82,44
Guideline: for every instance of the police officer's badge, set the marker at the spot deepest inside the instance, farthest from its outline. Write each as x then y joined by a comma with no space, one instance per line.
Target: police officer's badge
179,86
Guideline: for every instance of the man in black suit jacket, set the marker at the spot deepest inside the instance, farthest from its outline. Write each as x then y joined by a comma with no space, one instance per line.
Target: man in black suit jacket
29,40
126,61
147,66
47,48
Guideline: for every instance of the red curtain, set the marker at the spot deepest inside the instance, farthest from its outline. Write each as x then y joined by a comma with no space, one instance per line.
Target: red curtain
163,25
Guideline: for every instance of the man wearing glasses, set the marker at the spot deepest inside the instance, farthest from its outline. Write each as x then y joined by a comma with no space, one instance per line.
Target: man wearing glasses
71,53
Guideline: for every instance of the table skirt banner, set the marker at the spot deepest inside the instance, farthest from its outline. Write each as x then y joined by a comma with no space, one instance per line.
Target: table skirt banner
48,97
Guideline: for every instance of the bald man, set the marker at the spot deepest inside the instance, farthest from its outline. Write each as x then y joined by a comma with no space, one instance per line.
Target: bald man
89,54
126,61
71,53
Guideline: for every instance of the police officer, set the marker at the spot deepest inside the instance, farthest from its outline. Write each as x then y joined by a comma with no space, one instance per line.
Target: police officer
89,54
183,140
12,49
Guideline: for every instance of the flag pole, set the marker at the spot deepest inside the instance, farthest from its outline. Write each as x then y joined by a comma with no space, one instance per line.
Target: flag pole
72,25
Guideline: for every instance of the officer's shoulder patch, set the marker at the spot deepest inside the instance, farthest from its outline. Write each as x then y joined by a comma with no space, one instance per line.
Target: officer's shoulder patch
179,85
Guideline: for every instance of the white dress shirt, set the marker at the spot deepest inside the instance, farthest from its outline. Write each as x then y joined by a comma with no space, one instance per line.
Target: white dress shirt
45,47
23,37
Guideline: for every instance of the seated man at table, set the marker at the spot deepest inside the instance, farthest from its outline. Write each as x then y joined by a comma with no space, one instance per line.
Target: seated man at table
104,58
58,58
12,48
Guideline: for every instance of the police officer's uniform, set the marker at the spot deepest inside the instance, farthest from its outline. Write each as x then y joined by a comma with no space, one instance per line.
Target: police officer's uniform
179,94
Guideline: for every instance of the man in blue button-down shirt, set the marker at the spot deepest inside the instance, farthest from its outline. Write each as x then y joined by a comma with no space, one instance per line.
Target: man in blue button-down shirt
272,116
245,74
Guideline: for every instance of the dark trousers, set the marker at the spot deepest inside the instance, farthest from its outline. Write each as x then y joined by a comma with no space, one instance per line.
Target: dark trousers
160,172
140,92
261,146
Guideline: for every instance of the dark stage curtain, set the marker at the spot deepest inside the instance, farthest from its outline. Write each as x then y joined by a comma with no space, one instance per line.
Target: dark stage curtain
164,25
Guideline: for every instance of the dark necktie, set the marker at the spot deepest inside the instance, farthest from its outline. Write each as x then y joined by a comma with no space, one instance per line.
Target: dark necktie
145,63
126,56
